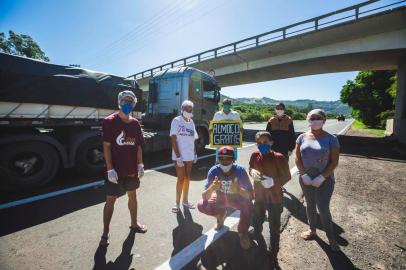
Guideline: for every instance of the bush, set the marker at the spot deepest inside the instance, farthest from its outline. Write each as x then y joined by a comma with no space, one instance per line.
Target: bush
299,116
383,116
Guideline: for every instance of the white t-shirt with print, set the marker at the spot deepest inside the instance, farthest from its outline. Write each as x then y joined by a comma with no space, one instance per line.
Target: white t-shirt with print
220,116
185,136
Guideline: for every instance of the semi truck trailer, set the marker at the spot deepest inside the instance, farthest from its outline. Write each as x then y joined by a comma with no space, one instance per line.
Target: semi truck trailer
51,116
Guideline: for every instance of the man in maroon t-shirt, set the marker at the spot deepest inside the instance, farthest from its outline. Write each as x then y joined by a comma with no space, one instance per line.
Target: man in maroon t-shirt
122,141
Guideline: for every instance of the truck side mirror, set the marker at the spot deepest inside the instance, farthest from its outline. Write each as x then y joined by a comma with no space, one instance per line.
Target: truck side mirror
153,92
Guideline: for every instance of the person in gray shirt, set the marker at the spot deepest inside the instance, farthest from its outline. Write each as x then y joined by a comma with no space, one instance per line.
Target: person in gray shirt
317,154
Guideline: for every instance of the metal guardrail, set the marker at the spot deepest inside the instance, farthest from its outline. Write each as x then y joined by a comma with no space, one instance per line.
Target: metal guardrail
352,13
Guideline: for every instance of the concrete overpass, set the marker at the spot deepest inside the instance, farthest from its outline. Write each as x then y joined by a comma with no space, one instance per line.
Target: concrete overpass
370,35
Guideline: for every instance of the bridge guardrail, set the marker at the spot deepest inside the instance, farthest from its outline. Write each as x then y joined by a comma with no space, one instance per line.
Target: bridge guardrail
349,14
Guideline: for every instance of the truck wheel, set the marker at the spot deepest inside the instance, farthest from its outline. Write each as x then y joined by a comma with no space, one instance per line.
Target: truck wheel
89,158
27,164
202,141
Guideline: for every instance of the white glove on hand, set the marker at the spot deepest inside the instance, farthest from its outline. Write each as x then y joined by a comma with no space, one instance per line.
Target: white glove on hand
256,175
318,181
140,170
195,160
306,180
179,162
112,176
268,181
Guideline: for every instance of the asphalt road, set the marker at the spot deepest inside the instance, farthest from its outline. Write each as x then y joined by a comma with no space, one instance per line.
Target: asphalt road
63,232
331,125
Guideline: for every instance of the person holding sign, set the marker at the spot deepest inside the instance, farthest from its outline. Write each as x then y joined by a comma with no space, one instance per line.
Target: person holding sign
183,136
228,185
227,114
281,128
270,171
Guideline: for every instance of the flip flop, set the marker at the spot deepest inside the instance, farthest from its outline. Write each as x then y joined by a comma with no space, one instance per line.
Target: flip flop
139,229
189,205
175,208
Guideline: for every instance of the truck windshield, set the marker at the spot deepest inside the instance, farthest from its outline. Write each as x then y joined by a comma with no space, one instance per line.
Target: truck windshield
209,91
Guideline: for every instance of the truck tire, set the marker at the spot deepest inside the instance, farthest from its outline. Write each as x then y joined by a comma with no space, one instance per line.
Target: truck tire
27,164
89,159
203,139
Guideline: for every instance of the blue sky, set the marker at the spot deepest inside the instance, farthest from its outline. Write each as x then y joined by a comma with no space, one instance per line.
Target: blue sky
127,36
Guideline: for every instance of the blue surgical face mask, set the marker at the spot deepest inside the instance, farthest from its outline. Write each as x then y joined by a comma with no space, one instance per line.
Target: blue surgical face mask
264,148
127,108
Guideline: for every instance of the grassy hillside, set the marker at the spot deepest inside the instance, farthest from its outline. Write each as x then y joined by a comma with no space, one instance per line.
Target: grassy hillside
261,109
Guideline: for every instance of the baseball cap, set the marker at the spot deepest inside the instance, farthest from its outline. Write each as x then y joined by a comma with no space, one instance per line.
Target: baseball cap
226,151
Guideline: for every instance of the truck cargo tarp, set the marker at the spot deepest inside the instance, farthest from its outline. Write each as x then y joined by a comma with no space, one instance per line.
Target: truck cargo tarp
27,80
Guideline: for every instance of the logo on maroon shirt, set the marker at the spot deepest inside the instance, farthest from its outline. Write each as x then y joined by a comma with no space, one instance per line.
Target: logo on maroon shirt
122,139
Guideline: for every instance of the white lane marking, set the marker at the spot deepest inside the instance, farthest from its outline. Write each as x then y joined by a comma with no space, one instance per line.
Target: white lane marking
294,170
188,253
183,257
101,182
49,195
193,250
88,185
345,128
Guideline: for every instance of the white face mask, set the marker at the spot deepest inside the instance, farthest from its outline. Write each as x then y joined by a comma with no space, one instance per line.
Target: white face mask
187,115
226,168
279,112
316,124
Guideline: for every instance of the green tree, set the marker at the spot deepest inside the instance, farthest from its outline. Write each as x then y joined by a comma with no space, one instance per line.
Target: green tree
370,94
22,45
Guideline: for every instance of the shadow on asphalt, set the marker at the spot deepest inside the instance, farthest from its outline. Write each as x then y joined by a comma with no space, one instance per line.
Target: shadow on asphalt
183,235
27,215
227,253
123,261
338,260
372,148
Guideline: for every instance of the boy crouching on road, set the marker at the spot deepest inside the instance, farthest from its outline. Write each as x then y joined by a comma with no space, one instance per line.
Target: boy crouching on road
270,171
228,185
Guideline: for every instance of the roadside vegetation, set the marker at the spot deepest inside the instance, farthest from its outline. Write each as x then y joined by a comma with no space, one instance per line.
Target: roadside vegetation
371,95
357,125
262,113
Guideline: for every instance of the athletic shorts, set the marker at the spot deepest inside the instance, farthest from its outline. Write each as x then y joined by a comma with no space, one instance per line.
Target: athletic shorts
125,183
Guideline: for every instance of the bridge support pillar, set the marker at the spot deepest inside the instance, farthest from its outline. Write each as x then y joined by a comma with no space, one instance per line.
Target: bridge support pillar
399,124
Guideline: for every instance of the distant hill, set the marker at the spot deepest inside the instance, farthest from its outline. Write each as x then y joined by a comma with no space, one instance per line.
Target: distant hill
328,106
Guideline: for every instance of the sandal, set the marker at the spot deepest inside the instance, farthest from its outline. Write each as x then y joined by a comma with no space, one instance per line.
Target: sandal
189,205
175,208
308,235
139,229
104,241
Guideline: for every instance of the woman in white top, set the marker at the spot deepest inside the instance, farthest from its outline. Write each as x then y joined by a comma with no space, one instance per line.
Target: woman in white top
183,136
